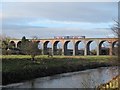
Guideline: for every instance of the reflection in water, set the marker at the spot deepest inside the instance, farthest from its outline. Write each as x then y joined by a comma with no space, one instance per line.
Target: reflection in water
83,79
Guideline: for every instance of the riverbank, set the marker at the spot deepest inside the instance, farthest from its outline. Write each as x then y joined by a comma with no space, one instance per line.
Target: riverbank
20,68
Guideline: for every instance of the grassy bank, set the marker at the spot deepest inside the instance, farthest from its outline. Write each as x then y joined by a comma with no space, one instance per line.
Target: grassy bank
16,68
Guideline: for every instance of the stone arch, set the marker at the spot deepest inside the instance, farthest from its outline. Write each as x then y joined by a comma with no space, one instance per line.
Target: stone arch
46,48
57,49
91,47
12,44
19,44
38,44
67,50
115,47
37,41
103,50
77,50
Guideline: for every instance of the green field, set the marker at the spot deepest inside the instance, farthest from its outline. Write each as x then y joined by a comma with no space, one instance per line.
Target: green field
16,68
61,57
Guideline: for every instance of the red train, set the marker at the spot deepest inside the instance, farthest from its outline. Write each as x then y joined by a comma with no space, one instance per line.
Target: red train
68,37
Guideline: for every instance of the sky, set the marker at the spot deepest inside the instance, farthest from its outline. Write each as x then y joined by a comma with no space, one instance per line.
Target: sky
49,19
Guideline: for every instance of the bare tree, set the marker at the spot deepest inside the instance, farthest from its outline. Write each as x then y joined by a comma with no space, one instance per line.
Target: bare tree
29,48
4,43
116,30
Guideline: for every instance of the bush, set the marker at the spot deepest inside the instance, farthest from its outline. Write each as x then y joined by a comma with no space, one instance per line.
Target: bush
4,52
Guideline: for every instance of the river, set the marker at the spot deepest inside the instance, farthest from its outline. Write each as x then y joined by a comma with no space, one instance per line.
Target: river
82,79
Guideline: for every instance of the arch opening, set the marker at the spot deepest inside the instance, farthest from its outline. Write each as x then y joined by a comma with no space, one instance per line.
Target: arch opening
68,48
92,48
40,45
104,48
47,48
40,48
115,48
11,45
79,48
57,48
19,44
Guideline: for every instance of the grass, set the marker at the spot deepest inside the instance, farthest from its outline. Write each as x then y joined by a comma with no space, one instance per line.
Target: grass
60,57
16,68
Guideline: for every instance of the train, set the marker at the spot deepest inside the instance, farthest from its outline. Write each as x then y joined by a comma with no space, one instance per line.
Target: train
68,37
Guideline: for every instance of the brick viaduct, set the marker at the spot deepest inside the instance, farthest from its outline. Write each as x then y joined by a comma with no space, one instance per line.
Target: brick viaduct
64,42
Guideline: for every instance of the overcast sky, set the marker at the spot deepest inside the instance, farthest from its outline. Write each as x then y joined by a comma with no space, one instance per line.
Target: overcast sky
46,20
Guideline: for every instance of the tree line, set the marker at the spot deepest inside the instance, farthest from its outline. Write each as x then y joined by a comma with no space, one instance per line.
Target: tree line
26,47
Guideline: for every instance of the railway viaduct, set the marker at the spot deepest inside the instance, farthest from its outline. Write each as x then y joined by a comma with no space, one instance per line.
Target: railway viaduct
64,42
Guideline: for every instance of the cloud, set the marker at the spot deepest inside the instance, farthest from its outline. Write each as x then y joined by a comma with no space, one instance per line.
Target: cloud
71,24
22,23
49,19
85,12
51,32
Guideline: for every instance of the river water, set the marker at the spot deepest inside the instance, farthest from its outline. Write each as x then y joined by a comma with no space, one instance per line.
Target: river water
82,79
